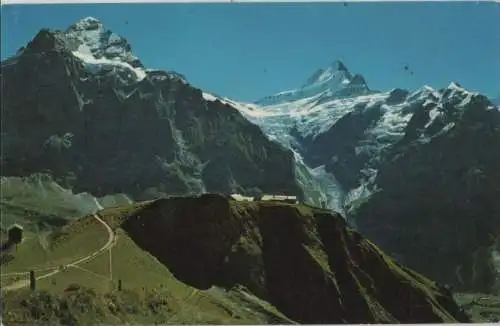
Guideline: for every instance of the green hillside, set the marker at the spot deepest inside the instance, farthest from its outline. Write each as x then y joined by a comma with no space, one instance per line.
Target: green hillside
212,260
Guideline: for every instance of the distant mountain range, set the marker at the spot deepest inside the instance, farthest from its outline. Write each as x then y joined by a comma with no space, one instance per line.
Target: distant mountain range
415,171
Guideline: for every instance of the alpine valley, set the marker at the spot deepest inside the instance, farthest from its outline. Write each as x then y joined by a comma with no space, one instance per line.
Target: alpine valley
86,126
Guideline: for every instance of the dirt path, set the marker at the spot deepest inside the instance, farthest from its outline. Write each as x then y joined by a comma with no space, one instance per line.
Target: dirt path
55,270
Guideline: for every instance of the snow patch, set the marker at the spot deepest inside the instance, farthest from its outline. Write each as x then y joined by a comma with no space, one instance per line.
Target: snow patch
209,97
433,114
94,65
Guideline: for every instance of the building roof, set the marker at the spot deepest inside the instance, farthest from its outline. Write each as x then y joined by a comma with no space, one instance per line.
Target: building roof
241,198
15,226
278,197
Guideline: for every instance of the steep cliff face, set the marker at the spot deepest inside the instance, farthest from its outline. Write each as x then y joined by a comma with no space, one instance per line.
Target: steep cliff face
302,260
104,126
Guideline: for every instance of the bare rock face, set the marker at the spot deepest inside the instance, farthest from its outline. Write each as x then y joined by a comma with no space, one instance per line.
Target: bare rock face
302,260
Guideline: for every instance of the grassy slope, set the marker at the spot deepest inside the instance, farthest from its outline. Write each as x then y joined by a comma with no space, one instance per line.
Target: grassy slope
43,251
143,279
280,252
83,239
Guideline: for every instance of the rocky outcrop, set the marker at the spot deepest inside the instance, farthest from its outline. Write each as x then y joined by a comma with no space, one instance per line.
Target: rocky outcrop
302,260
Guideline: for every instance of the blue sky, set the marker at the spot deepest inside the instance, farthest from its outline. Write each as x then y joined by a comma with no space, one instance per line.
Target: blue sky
247,51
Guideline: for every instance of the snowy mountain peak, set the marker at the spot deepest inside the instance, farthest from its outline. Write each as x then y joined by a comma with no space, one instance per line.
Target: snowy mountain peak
335,81
455,86
455,91
337,70
97,42
422,94
87,23
337,65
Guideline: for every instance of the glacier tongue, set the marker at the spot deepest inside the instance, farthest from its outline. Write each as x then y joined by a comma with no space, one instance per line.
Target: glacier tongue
320,187
335,195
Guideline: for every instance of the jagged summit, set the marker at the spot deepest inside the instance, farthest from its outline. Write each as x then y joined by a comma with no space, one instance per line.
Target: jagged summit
97,42
321,75
87,23
338,66
99,49
454,85
335,81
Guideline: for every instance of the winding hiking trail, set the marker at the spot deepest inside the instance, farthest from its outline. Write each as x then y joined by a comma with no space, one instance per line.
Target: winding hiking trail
24,283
